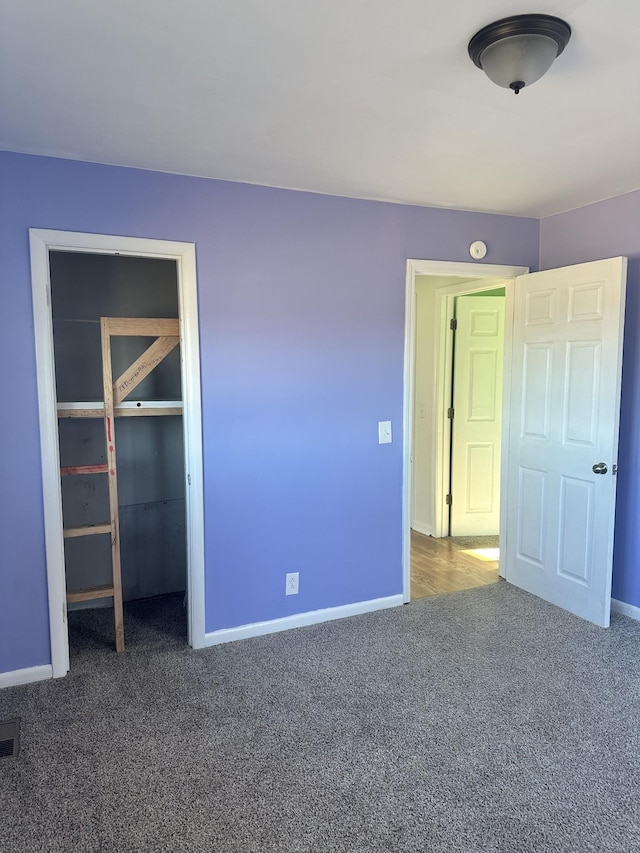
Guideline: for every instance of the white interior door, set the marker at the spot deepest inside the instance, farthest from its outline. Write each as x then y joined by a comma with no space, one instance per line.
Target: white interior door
564,417
477,422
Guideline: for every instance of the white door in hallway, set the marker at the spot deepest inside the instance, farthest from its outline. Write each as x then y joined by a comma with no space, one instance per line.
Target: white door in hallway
566,366
477,421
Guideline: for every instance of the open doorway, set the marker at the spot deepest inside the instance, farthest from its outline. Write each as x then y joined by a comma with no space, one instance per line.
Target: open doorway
160,505
562,371
468,554
147,430
455,419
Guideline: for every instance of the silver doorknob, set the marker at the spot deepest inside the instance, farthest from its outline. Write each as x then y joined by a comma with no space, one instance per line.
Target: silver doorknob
600,468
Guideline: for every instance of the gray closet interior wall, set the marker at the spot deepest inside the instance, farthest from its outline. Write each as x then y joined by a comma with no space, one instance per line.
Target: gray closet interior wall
150,453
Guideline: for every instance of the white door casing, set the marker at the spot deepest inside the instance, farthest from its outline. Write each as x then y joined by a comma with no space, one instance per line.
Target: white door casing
564,418
41,243
477,421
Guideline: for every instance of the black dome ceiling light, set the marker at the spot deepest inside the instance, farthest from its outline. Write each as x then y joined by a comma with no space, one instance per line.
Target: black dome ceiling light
515,52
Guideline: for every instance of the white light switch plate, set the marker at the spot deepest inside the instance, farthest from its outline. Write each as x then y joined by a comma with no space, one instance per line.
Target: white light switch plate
384,432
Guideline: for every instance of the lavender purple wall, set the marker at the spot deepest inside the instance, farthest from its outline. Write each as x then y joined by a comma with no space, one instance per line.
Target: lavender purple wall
301,301
604,230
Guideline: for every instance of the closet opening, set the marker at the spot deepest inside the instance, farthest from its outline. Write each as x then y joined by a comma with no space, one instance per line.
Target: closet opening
116,330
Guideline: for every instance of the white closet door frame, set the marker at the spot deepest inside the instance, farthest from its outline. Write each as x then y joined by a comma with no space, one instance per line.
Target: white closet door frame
184,254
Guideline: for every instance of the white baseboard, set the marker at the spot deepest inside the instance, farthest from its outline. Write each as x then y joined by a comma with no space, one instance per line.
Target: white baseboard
625,609
419,527
25,676
300,620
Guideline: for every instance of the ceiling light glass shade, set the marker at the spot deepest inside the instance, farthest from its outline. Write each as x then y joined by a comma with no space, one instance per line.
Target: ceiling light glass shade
521,59
517,51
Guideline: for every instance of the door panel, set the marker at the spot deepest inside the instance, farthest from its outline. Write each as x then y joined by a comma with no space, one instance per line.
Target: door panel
477,403
564,417
531,501
575,545
536,389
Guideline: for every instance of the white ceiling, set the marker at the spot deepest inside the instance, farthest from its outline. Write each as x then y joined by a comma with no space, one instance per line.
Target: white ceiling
365,98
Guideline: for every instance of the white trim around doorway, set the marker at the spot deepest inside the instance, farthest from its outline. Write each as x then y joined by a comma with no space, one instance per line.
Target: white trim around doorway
41,243
471,272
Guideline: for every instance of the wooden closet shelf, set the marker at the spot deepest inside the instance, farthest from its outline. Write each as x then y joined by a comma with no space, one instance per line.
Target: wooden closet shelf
86,530
90,593
144,408
71,470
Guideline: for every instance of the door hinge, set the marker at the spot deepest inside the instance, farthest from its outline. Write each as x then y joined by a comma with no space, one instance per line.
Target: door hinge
189,479
453,324
450,413
448,499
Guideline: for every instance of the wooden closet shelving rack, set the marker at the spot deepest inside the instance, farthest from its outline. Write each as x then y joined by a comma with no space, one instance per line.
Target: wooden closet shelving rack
167,336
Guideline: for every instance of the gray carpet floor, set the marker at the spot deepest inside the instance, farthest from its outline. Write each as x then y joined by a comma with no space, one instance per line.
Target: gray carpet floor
484,720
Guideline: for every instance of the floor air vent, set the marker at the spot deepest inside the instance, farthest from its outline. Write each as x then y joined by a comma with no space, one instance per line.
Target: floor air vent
9,738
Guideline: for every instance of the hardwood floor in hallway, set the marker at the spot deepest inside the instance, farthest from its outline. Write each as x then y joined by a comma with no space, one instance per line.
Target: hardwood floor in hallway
441,565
